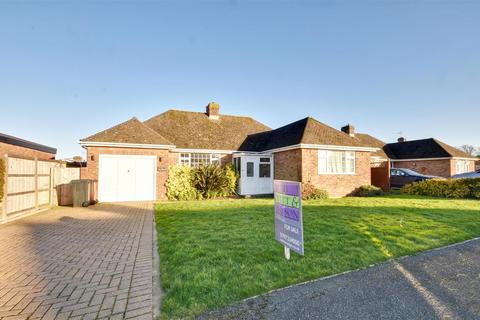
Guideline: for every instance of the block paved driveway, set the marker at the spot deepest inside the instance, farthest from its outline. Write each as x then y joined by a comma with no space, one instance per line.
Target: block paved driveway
79,263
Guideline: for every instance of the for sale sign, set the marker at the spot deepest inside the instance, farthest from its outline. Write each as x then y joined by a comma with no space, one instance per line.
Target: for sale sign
288,215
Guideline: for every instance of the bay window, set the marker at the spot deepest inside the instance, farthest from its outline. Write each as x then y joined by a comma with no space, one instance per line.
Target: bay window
336,162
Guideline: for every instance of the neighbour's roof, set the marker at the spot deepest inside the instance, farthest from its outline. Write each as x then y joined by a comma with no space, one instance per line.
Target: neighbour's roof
304,131
131,131
373,142
423,149
5,138
195,130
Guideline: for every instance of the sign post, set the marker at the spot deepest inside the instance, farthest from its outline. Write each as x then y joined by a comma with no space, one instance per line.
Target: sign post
288,216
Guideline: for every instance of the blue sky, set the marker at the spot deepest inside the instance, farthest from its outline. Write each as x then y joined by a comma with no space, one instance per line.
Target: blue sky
70,69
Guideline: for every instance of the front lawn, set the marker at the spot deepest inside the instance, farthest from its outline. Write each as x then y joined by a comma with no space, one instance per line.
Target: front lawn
213,253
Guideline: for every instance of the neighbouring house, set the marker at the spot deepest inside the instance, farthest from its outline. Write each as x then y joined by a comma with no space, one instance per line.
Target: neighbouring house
477,164
131,160
430,157
14,146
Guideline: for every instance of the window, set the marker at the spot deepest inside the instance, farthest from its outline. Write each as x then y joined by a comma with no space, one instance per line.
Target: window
198,159
185,159
462,166
336,162
250,169
395,172
264,168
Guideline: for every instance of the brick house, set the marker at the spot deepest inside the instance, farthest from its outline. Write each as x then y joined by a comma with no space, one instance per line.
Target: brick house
14,146
430,157
131,160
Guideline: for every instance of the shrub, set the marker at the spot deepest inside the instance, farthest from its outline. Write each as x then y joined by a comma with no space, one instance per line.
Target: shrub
369,191
2,178
232,177
212,181
310,192
454,188
180,183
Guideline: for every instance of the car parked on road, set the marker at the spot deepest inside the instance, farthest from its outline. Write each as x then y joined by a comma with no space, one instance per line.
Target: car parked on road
468,175
400,177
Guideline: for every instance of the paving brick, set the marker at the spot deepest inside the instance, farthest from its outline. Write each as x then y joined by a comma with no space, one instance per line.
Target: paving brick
78,263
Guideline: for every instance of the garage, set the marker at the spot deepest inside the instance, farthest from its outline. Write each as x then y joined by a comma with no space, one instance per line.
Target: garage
126,178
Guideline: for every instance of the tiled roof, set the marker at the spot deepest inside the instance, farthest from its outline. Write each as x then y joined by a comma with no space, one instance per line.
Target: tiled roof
373,142
195,130
304,131
131,131
423,149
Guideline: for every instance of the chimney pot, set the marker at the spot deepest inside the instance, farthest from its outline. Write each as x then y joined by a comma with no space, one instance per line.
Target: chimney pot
349,129
401,139
213,110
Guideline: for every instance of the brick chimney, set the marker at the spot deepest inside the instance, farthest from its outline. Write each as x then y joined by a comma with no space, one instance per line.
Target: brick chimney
213,110
349,129
401,139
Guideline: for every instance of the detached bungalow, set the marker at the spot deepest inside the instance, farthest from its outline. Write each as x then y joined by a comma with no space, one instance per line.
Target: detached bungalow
430,157
131,160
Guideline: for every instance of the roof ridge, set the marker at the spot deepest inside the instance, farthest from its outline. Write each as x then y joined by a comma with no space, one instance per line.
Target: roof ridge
308,120
336,130
155,132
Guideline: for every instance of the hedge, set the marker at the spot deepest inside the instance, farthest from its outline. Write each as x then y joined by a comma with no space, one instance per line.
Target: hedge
454,188
2,178
368,191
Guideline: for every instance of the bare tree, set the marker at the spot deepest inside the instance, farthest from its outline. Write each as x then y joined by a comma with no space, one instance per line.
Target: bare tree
468,149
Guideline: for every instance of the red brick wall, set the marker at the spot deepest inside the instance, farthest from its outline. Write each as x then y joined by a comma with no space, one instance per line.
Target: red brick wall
168,158
288,165
302,165
336,185
441,168
12,150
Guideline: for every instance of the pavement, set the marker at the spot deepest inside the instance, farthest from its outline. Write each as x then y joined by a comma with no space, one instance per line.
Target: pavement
438,284
80,263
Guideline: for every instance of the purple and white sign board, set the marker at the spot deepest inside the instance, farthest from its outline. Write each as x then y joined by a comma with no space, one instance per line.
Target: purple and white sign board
288,214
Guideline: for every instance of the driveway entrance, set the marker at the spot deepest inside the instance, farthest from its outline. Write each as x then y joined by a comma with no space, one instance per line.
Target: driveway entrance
79,263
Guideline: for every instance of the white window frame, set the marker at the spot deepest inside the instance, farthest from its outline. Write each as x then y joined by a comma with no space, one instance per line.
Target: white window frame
324,154
463,165
185,158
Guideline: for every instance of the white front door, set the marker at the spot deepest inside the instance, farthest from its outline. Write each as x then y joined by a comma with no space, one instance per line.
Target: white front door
126,178
256,175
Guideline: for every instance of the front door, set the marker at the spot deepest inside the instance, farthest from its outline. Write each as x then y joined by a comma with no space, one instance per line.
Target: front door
256,175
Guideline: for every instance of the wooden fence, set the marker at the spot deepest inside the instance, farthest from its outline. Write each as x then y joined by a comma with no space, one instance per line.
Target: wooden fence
31,185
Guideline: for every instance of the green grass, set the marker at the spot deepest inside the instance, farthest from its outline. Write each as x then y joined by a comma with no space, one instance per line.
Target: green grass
213,253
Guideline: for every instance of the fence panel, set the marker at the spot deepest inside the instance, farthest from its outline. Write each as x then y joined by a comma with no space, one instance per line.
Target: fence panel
30,185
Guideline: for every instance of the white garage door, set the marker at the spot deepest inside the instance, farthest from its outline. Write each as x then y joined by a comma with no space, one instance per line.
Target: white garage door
126,178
